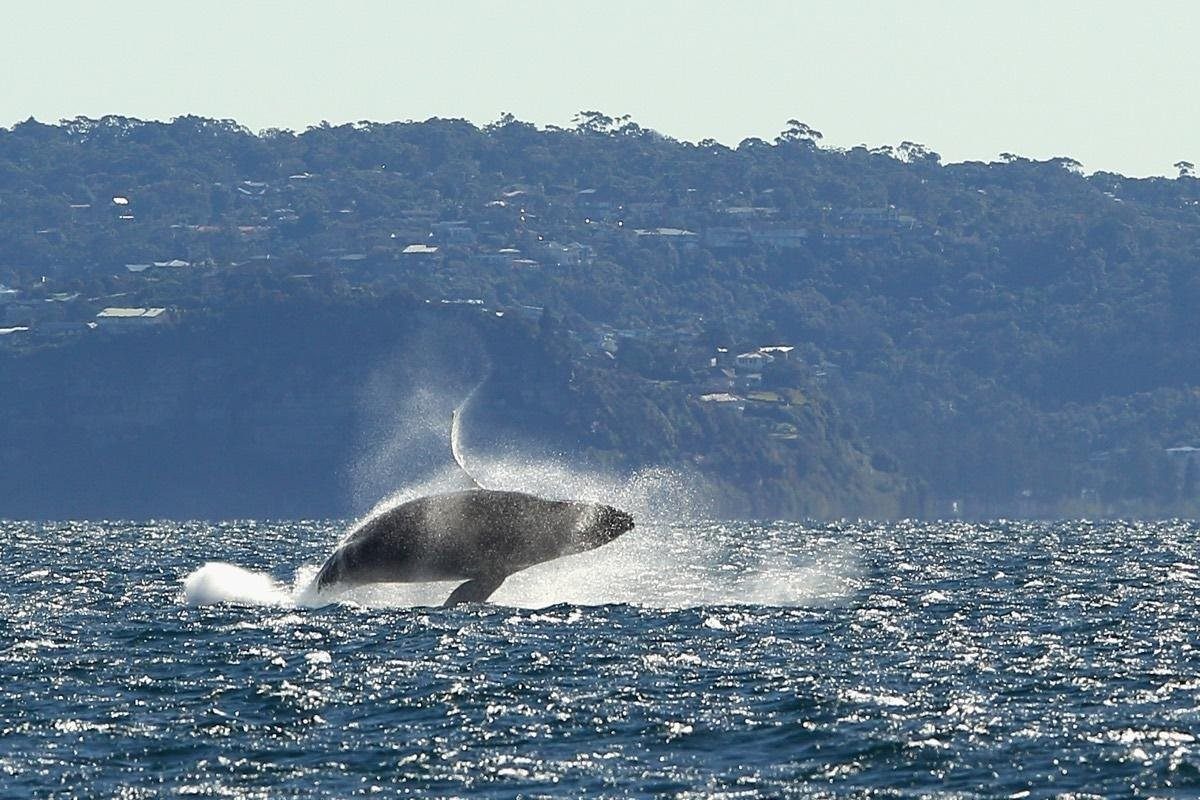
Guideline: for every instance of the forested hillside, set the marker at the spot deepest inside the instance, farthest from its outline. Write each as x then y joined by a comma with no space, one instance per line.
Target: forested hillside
814,331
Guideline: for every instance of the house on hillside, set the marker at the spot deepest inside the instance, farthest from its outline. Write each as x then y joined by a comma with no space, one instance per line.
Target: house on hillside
122,318
783,352
753,361
720,397
421,253
677,236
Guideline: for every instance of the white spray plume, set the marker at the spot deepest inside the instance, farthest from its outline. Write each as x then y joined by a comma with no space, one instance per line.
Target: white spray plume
669,560
217,582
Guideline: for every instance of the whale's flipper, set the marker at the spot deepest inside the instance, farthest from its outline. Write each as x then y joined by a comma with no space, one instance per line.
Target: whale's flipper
476,590
455,448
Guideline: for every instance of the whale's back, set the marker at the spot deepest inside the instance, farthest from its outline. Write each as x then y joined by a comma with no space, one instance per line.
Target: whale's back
459,535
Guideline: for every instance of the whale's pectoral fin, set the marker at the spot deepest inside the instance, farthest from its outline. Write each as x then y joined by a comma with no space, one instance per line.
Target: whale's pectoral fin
476,590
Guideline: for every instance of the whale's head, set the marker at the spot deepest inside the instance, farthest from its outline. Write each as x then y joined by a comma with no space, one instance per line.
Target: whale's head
601,525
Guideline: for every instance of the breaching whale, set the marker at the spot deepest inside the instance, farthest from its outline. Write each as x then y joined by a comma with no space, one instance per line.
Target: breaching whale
478,535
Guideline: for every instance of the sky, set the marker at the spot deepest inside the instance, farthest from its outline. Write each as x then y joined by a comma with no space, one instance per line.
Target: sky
1110,83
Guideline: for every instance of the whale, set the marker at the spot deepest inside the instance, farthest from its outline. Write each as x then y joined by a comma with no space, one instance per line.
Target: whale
479,536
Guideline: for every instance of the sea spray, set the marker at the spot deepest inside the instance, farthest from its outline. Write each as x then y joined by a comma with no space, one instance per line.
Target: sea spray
670,560
658,565
219,582
404,412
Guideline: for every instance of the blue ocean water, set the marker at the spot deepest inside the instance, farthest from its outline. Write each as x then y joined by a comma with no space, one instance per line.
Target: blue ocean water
698,660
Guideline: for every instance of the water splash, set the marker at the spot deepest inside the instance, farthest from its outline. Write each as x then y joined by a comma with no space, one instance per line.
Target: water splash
662,566
218,582
670,560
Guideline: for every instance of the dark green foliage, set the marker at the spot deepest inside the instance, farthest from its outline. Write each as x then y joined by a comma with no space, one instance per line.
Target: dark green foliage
1015,336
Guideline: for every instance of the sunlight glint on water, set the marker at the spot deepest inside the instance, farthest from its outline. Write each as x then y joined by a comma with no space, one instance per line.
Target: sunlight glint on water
746,660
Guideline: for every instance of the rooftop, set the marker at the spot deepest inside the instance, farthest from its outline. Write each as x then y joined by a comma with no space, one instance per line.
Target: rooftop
130,313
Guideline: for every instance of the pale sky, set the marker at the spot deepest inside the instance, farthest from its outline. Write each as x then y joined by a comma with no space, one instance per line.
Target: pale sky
1112,83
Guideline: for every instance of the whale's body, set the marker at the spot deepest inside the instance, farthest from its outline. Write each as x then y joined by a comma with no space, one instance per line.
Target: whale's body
479,535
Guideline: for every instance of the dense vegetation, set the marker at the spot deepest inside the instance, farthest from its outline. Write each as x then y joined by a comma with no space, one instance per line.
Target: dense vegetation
1016,337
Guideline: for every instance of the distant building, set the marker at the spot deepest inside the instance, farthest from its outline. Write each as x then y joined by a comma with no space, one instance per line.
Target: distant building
781,351
421,254
720,397
753,362
747,212
118,317
666,233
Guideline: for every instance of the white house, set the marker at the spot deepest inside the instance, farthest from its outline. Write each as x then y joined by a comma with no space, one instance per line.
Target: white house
753,362
120,318
781,351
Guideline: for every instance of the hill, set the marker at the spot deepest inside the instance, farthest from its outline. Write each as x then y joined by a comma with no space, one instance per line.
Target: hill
814,331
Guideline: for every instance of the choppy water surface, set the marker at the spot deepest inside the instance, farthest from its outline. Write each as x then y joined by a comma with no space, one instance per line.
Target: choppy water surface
729,660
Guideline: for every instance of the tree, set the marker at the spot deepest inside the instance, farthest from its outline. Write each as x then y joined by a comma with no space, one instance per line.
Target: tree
914,153
593,122
800,132
505,119
1067,163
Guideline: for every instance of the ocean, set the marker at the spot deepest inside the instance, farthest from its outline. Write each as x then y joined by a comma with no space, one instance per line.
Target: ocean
697,659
